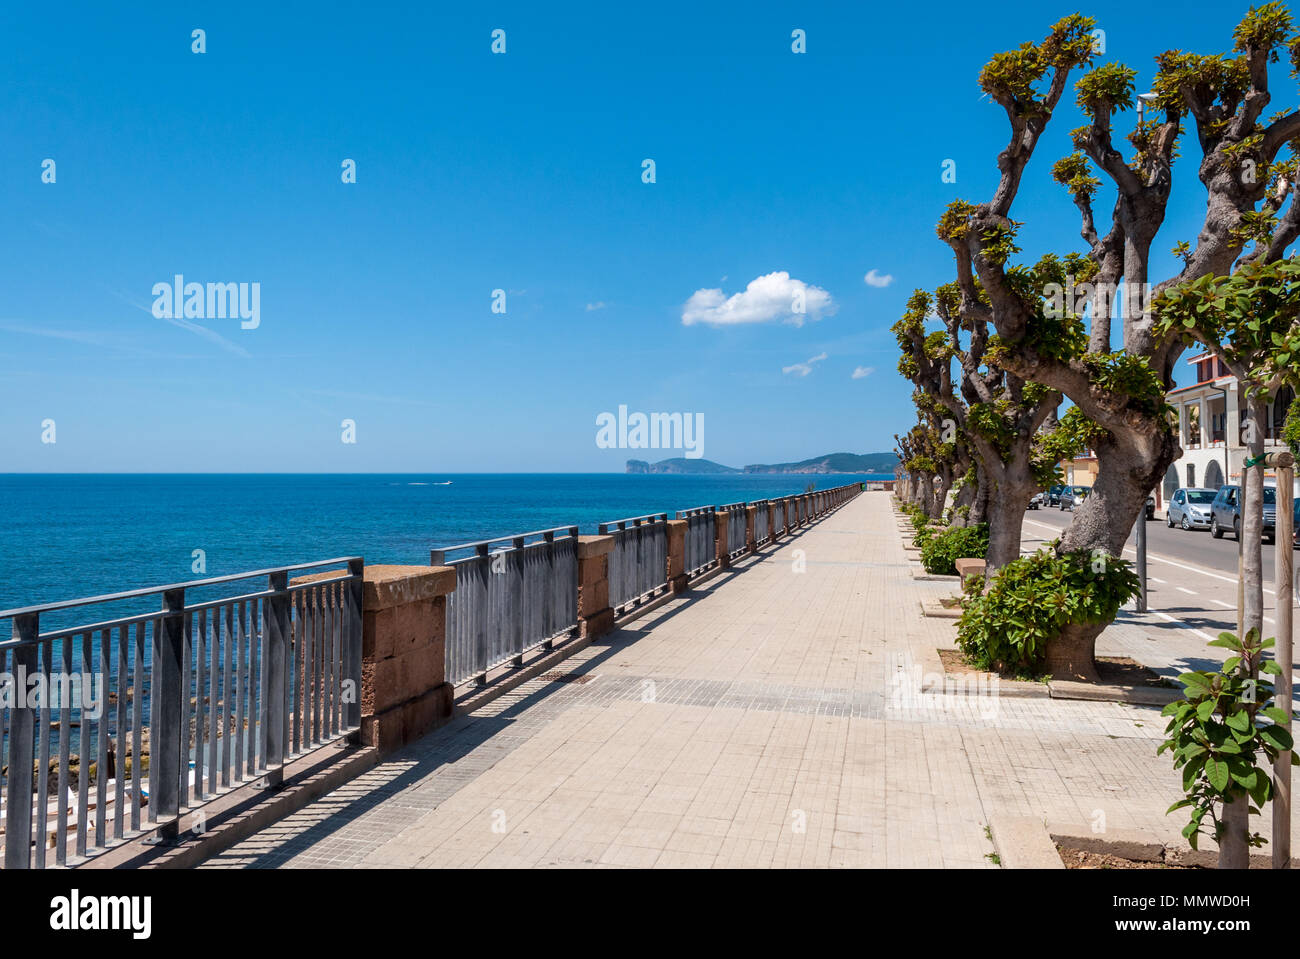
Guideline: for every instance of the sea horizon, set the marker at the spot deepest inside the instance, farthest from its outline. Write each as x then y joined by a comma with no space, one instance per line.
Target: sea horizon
74,535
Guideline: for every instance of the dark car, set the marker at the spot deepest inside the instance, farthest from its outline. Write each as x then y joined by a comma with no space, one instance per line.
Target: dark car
1225,512
1151,507
1054,495
1074,496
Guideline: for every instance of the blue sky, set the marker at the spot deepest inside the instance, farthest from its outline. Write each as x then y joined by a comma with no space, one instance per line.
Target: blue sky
478,172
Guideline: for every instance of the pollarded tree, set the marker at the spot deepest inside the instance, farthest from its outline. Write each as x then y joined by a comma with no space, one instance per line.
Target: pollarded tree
1122,392
997,414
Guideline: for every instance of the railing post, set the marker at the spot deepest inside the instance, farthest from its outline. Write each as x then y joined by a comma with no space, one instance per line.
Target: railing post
721,525
278,625
22,743
677,581
404,692
751,528
355,599
595,616
515,601
165,733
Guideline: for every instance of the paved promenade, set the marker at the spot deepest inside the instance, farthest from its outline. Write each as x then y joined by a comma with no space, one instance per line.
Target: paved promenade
774,717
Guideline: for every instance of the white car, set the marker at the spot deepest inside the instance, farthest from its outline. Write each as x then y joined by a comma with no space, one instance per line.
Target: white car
1038,501
1189,508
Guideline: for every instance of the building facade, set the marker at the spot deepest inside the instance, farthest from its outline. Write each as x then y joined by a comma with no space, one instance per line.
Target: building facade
1210,414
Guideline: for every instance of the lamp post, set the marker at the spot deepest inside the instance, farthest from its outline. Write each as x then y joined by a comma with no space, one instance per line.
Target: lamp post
1143,99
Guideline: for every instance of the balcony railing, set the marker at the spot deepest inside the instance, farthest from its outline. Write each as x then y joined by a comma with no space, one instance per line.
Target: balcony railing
638,563
169,696
512,594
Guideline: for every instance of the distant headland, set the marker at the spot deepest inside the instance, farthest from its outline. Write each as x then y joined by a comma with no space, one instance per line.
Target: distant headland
830,463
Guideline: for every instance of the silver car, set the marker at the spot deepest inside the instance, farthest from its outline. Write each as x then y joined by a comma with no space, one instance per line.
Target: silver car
1189,508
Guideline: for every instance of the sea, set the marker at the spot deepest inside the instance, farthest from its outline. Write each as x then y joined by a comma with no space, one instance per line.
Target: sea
70,536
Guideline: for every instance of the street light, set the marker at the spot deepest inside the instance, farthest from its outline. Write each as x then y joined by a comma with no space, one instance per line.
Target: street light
1143,99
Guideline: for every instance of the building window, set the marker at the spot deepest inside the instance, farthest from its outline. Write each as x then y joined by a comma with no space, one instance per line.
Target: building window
1191,474
1281,404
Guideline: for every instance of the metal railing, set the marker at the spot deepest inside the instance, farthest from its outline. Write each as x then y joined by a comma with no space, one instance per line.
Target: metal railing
737,528
168,707
638,564
762,524
701,547
508,600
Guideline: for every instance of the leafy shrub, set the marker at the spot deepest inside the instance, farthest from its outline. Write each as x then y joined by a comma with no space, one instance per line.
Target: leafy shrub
920,523
1032,599
1217,741
939,553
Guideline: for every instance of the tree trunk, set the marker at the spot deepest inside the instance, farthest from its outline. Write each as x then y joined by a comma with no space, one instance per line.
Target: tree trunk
1234,846
941,495
1072,654
1006,523
1234,850
963,506
979,511
1128,469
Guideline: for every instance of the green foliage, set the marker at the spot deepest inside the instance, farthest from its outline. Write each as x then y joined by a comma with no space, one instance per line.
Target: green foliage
1074,433
1291,428
1000,242
1107,88
1224,751
1124,373
1074,173
1250,318
1032,599
1207,79
1262,28
940,552
1011,78
955,222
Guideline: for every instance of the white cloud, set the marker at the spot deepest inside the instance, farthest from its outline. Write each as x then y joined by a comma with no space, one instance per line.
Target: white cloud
862,372
775,296
804,368
878,280
596,306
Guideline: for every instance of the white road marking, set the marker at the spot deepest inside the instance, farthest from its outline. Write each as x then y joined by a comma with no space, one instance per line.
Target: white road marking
1158,558
1223,604
1174,619
1184,589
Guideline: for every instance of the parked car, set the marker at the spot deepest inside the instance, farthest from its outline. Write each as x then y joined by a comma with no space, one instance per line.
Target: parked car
1189,508
1151,507
1054,495
1038,500
1074,496
1225,512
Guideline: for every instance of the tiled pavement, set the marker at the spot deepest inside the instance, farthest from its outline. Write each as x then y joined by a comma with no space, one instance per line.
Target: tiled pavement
772,718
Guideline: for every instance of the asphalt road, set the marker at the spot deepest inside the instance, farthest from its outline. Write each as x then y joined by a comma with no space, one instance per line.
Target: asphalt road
1191,576
1192,546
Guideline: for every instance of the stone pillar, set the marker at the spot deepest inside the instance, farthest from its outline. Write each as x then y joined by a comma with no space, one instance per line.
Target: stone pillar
751,536
720,551
677,555
595,616
404,692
